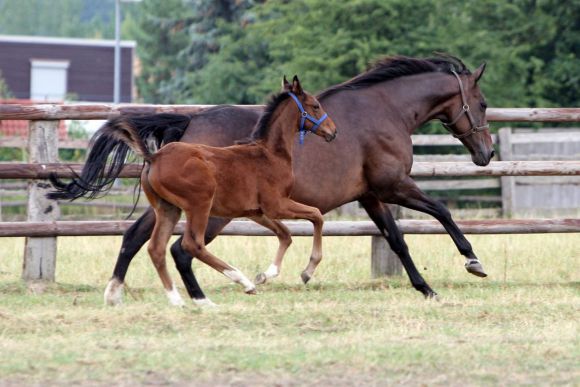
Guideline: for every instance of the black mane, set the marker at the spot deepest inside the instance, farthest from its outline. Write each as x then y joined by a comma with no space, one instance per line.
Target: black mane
392,67
263,126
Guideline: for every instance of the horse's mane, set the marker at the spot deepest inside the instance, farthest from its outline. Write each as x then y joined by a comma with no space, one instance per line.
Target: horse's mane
263,126
392,67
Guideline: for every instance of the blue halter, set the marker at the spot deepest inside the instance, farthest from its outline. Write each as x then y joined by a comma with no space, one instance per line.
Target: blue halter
305,116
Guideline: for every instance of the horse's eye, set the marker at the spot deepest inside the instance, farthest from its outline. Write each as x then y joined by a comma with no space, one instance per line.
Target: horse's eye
483,105
316,107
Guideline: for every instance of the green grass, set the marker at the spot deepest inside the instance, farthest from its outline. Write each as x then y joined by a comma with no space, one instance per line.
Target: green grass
519,326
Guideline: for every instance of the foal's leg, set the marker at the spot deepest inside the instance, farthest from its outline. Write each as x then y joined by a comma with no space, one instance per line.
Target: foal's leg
410,196
381,215
133,239
183,260
193,242
289,209
284,239
167,216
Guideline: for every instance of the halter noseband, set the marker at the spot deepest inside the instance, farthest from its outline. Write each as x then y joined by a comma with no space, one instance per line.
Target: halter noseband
305,116
464,110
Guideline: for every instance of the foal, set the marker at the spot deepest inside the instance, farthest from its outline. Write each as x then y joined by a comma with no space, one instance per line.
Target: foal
252,180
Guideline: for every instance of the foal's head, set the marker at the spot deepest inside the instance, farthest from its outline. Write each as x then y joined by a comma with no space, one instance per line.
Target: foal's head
466,116
312,117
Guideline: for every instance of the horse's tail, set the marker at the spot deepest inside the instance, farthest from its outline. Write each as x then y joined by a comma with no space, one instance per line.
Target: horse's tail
109,147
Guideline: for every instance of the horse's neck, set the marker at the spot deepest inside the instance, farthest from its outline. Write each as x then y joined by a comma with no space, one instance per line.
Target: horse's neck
280,137
417,98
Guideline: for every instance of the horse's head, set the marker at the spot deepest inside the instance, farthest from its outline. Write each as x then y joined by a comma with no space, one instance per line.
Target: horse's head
466,117
312,117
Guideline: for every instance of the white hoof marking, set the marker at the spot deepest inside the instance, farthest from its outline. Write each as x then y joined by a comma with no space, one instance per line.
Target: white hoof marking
174,297
239,277
114,292
204,303
272,272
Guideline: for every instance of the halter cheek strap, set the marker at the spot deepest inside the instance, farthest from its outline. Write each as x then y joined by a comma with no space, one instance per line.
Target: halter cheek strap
464,110
305,116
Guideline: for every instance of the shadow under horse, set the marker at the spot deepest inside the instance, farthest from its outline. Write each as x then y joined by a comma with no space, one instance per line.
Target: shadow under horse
375,112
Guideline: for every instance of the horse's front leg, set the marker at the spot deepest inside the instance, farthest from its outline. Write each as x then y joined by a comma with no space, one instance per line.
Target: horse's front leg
382,217
284,241
289,209
410,196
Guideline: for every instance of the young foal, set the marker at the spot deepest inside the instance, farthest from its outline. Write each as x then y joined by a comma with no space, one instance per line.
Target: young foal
251,180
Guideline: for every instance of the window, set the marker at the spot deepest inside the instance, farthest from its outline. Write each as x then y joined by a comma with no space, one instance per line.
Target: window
48,80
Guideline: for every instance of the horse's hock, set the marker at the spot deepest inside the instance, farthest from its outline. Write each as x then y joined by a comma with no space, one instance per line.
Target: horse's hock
42,226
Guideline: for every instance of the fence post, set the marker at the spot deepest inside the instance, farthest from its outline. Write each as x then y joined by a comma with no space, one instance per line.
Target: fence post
40,252
384,262
508,183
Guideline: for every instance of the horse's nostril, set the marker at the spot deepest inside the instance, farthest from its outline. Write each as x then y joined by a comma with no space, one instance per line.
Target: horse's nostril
492,154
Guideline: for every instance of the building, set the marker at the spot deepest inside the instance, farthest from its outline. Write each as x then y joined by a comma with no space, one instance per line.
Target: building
45,69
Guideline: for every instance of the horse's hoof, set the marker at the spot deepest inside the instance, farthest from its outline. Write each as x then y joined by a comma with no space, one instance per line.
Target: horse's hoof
431,295
114,293
204,303
251,291
427,292
305,277
261,279
475,267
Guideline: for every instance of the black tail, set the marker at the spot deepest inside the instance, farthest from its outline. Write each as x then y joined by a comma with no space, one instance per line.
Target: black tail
109,148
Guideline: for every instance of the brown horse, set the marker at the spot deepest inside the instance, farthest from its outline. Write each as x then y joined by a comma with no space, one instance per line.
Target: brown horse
376,111
252,180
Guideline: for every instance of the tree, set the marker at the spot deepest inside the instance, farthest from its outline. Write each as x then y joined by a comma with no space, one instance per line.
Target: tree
531,46
175,38
5,92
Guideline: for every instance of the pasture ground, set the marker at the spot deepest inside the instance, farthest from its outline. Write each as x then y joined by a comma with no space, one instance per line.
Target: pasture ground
518,327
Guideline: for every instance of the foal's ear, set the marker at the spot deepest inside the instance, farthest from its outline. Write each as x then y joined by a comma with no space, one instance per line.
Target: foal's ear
286,86
296,87
479,72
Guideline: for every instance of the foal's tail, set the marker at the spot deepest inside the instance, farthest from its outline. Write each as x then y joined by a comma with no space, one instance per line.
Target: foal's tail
109,148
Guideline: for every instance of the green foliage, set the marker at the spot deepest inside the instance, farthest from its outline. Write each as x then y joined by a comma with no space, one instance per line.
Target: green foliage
76,131
5,92
235,51
175,38
531,46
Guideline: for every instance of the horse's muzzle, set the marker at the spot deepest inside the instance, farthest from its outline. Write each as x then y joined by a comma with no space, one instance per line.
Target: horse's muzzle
330,137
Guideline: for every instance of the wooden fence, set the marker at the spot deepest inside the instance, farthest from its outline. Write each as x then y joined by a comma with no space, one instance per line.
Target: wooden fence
42,226
479,196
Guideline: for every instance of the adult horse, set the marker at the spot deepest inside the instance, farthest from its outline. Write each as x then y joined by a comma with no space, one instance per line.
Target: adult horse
375,112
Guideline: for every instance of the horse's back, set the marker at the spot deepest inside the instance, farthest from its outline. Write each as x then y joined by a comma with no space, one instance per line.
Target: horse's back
221,126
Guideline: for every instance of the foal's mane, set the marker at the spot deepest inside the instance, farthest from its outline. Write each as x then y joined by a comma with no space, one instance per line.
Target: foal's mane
263,126
392,67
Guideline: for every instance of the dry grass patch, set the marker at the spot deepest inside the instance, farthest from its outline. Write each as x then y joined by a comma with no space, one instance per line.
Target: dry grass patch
518,327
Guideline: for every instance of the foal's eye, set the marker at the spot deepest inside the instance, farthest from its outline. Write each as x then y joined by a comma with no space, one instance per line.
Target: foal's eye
316,107
483,105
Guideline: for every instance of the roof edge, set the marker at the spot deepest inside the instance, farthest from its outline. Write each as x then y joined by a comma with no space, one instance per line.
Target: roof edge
65,41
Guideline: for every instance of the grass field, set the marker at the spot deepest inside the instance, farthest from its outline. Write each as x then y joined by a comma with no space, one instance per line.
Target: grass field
519,326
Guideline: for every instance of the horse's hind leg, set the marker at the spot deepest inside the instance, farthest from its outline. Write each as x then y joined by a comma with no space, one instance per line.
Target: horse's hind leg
167,216
381,215
284,239
183,261
193,242
133,239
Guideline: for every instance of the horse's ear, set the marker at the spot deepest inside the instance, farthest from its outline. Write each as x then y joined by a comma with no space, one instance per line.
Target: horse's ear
479,72
296,87
286,85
